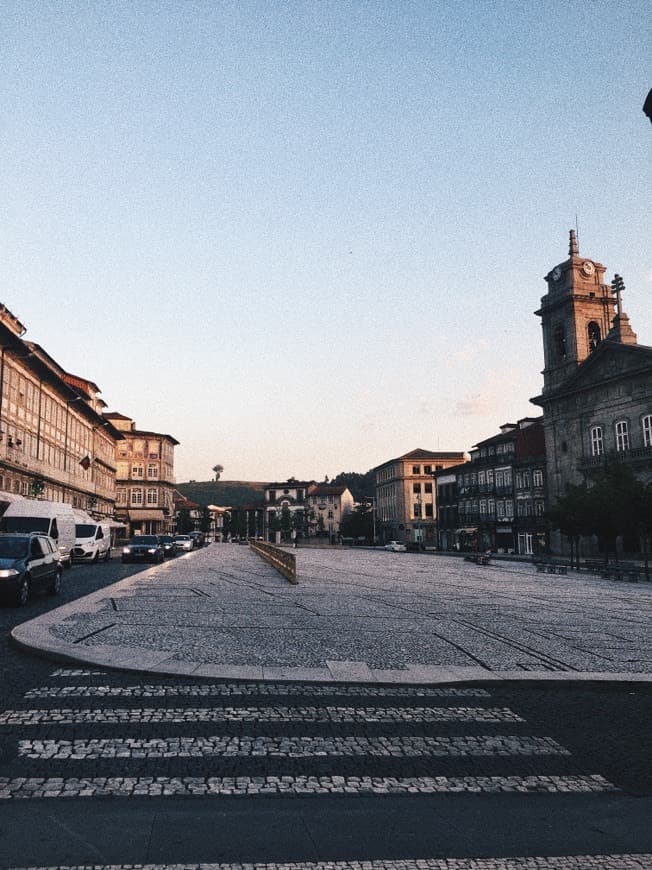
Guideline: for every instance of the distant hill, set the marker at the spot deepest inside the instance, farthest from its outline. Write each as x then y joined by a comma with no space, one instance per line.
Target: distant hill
236,493
227,493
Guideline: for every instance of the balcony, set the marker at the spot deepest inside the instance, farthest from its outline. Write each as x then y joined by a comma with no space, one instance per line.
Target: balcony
634,456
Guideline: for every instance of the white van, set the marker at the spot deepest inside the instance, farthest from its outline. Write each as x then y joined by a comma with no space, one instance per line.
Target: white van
92,540
53,518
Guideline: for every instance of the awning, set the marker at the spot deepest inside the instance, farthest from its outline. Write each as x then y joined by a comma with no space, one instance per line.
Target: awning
137,516
468,531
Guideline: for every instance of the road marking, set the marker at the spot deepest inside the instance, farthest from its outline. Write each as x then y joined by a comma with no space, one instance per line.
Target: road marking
292,747
212,690
165,786
629,861
70,716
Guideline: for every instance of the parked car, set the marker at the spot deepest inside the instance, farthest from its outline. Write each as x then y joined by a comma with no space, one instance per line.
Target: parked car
92,541
143,548
28,562
184,543
55,519
169,545
198,539
396,547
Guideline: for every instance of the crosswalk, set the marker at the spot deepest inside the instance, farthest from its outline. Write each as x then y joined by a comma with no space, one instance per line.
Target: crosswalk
280,740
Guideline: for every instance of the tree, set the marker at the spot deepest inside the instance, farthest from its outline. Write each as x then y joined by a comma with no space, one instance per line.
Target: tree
612,504
358,523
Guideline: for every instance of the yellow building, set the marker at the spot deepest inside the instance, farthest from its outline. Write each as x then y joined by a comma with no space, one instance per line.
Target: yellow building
144,478
406,504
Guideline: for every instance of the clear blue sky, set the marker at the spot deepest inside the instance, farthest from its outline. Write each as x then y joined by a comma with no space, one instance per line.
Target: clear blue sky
306,237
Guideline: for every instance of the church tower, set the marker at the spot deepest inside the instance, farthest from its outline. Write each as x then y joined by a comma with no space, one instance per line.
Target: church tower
576,314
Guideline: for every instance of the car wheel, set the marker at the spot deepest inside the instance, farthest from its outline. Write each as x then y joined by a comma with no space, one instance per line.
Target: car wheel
22,596
55,587
107,555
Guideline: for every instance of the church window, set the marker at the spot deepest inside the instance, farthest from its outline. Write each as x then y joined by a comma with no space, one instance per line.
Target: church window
597,442
593,330
647,430
560,342
622,435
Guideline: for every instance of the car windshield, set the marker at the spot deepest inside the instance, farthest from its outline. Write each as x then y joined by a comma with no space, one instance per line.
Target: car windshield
13,548
146,540
182,538
85,530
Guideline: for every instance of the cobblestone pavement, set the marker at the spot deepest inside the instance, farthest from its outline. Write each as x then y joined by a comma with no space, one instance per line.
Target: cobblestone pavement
482,743
356,616
571,862
117,770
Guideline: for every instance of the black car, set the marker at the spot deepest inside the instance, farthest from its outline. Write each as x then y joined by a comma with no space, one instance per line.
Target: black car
143,548
29,562
169,545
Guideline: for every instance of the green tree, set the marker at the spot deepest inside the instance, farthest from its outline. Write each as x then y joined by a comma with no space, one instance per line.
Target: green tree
358,523
613,503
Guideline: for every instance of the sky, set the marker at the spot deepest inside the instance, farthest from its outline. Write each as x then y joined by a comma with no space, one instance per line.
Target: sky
307,237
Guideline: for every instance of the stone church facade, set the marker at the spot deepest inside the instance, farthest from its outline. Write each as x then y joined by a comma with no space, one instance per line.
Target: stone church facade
597,380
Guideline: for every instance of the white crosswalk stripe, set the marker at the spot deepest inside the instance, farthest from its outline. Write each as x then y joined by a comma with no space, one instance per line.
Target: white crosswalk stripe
71,716
291,747
629,861
165,786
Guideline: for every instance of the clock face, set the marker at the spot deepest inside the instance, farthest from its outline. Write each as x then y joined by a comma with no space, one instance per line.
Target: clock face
587,267
556,273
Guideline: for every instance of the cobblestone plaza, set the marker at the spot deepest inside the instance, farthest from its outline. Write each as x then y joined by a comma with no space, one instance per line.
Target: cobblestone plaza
356,615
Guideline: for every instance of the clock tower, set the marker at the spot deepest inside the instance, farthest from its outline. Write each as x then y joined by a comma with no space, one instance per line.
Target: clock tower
576,315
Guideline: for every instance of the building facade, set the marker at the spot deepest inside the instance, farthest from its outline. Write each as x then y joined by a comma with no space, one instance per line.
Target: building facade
54,442
597,380
285,509
406,504
144,478
327,506
499,496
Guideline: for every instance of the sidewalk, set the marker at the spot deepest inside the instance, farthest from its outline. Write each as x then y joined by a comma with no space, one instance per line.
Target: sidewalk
355,616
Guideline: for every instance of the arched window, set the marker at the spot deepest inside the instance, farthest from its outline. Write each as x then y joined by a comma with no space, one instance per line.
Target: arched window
647,430
593,330
622,435
597,442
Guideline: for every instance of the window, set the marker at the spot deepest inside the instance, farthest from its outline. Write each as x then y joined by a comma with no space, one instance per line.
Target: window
491,507
622,435
427,469
416,487
483,507
560,342
137,471
416,469
537,477
152,496
136,497
647,430
121,496
539,507
429,510
593,332
427,487
417,509
330,515
500,509
597,442
152,470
